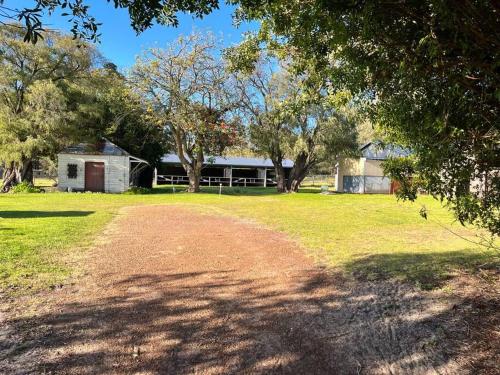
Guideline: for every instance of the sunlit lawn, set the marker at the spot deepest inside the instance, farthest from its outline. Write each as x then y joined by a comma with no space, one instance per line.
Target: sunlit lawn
368,236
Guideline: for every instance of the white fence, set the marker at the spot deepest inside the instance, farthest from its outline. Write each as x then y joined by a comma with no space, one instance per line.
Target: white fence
313,180
216,181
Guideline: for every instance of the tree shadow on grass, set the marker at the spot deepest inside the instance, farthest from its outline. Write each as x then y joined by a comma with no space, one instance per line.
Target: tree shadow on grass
42,214
428,270
215,322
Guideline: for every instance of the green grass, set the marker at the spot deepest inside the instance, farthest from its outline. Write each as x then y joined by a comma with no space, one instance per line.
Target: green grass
369,236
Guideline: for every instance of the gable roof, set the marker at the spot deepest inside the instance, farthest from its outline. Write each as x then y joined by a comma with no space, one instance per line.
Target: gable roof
230,161
377,151
103,147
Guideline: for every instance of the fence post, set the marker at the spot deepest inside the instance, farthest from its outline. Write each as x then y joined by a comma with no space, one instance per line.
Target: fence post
209,182
245,182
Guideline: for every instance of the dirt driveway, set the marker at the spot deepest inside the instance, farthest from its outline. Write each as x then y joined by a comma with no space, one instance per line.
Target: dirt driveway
172,291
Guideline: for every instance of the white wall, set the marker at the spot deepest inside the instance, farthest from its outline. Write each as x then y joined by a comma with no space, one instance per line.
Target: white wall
116,172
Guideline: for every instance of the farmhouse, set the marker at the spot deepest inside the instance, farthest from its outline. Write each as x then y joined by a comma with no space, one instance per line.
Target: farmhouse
229,171
99,167
366,175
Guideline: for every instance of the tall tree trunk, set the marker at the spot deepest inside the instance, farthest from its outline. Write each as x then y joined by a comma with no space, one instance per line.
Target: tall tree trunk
193,170
27,171
293,184
11,177
194,181
193,165
280,177
301,167
194,175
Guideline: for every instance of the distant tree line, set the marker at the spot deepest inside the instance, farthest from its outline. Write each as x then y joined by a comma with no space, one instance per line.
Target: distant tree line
58,92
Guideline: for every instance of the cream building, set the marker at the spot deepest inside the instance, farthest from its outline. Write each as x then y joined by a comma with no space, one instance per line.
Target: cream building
365,174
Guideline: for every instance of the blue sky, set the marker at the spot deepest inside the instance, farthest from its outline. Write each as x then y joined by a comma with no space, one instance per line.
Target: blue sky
120,44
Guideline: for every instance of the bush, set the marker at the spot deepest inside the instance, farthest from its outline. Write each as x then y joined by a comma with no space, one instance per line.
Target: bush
138,190
404,171
26,187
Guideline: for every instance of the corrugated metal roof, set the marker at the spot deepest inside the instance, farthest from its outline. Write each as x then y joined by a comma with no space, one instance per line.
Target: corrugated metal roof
103,147
375,151
231,161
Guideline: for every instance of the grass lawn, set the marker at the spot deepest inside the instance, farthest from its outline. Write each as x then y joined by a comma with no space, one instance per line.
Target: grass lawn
369,236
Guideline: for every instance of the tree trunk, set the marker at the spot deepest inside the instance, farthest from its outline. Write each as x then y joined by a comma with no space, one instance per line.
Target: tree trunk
294,183
280,177
27,171
194,175
11,177
301,167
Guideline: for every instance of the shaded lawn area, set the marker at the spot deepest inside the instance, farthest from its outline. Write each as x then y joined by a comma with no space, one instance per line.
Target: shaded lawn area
369,236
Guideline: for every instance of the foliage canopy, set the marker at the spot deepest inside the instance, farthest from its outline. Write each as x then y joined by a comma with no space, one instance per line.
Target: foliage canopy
189,93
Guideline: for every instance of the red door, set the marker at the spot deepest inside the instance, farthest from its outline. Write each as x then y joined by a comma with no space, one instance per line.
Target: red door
394,187
94,176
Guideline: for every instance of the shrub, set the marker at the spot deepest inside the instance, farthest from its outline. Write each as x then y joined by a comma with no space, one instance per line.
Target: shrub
26,187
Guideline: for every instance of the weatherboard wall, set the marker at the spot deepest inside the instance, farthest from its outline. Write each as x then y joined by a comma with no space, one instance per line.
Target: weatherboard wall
116,172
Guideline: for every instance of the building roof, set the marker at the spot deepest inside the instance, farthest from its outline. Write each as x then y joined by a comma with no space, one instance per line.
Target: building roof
377,151
230,161
103,147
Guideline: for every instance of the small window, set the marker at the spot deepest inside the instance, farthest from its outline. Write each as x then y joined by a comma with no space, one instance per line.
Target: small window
72,170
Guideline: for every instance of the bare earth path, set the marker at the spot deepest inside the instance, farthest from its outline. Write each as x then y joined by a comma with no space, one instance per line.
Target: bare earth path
173,291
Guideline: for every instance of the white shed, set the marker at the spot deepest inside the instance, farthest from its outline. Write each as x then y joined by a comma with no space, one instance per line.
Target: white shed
99,167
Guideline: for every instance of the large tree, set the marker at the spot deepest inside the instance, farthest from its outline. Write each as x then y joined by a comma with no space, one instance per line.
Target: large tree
291,114
43,124
322,126
322,134
188,91
38,98
261,93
